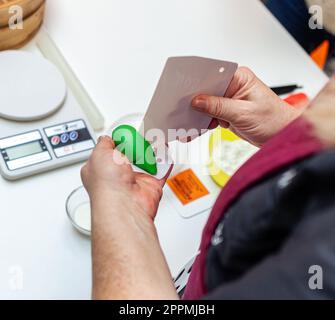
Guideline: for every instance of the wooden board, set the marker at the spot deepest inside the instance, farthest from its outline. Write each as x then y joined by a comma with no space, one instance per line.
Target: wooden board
15,38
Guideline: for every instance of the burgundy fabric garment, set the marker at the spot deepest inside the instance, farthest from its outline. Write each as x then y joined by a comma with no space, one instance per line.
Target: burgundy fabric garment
294,143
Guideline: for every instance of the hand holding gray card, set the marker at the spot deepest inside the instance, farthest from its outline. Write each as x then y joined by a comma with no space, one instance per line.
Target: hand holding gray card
183,79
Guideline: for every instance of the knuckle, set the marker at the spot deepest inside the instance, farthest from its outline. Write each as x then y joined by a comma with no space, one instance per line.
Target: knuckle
84,169
245,71
216,107
159,192
245,74
83,172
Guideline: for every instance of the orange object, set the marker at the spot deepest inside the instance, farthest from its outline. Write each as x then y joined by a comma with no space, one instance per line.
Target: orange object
320,54
187,187
298,100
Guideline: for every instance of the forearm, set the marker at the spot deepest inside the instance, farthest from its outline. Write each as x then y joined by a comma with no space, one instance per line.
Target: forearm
128,262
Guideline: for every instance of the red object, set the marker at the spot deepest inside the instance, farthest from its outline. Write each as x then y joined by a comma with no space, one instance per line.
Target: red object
294,143
298,100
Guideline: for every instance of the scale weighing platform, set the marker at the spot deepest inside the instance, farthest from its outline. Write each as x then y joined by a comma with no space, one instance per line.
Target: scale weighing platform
41,124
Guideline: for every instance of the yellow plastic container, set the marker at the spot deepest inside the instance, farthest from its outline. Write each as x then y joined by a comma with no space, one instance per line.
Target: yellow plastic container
219,176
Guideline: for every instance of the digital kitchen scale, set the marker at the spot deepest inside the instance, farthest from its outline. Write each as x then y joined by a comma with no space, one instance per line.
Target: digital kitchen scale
41,124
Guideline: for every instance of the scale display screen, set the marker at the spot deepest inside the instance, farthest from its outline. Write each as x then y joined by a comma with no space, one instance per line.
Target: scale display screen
38,151
24,150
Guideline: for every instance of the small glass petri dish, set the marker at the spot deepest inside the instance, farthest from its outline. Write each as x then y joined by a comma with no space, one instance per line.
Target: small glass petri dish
78,209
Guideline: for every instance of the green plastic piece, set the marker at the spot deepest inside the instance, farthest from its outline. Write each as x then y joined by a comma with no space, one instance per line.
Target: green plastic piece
134,146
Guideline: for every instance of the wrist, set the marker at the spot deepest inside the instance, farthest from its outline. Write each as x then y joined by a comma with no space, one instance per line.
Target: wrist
290,114
281,116
113,211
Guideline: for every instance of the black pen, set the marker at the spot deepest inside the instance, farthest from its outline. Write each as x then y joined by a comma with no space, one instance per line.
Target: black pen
285,89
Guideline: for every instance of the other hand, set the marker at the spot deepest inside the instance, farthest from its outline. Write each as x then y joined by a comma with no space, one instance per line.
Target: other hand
250,109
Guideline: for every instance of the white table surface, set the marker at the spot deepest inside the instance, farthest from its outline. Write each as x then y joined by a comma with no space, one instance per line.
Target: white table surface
117,49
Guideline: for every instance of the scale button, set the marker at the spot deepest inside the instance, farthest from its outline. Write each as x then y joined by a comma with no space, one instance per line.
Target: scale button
64,138
55,140
74,135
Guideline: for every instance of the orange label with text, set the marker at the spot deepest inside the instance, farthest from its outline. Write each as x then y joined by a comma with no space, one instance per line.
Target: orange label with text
187,187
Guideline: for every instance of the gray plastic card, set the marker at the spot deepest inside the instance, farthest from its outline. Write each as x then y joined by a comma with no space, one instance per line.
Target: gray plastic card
183,79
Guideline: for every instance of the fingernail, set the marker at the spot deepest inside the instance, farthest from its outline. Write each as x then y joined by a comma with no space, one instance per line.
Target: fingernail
199,103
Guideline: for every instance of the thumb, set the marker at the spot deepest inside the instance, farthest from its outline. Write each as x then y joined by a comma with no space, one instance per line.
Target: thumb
218,107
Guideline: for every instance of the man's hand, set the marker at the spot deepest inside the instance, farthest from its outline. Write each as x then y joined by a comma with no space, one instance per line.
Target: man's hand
108,173
250,109
128,262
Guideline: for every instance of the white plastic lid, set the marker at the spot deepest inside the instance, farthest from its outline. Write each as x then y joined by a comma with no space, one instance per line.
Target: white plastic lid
31,87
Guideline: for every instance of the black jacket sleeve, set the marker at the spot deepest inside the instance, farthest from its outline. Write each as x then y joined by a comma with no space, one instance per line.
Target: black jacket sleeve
304,268
278,238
